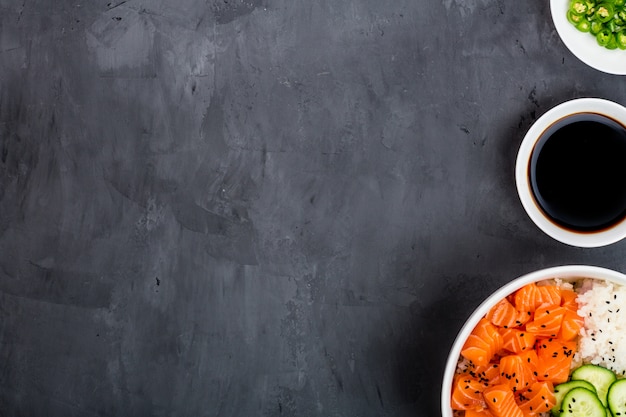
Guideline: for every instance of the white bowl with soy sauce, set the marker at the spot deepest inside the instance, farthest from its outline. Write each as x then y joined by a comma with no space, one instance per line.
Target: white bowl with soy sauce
571,172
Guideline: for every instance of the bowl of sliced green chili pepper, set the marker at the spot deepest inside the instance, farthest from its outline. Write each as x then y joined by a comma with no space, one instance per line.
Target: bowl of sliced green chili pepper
594,31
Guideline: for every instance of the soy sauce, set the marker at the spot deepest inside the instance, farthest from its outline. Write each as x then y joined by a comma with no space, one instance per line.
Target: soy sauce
578,172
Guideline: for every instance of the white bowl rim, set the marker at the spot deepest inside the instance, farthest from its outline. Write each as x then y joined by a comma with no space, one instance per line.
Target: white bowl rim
565,272
603,237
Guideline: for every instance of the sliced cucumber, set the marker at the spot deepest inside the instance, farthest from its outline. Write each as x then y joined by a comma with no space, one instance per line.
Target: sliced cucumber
581,402
562,389
601,378
617,398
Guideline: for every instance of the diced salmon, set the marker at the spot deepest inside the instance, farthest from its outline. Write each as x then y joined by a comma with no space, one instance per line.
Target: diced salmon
554,359
548,294
547,320
483,343
504,315
525,299
571,325
501,401
517,372
568,299
467,393
538,399
516,341
487,375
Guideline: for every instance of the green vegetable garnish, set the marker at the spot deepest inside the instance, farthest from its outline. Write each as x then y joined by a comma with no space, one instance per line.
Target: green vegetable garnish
605,20
621,39
604,12
604,37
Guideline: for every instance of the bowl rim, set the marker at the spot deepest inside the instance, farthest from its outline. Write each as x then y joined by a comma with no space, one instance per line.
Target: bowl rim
564,272
599,238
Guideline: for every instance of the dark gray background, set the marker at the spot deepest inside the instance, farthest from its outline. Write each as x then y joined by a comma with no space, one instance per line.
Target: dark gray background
263,207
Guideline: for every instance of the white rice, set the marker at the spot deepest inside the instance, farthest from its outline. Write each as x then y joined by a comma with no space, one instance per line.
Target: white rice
602,304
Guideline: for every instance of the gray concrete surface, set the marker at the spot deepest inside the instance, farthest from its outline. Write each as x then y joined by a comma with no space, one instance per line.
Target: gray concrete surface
263,207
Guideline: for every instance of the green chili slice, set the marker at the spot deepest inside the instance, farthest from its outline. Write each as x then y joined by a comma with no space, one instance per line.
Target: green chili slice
573,18
604,12
584,25
596,27
604,36
620,37
579,7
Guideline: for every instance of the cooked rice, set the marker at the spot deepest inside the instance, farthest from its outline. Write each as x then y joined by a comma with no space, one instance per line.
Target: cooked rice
603,339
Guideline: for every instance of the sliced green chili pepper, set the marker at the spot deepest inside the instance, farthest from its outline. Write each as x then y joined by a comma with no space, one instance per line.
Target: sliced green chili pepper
579,7
591,10
596,27
620,37
573,18
584,25
604,12
612,42
612,26
619,3
604,36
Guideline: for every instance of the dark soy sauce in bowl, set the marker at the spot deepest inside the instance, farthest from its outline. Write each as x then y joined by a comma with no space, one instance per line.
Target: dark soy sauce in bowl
578,172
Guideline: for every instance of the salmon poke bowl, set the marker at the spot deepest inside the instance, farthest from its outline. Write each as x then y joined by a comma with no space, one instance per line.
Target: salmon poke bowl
549,343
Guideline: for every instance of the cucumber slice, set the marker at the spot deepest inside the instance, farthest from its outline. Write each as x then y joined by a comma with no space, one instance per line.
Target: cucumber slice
617,398
601,378
562,389
580,402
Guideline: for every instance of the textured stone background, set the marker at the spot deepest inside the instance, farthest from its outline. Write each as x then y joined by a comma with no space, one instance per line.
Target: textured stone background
263,207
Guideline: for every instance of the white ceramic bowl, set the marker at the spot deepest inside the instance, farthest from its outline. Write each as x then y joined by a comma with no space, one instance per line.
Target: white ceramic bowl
568,272
584,45
581,239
